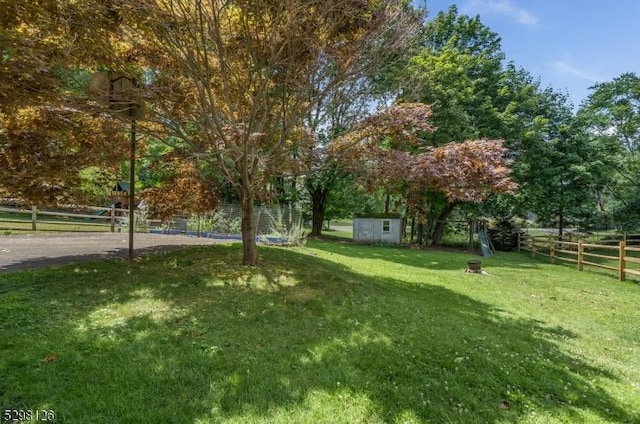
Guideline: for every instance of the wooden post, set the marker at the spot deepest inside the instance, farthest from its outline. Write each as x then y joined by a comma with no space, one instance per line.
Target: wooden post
533,247
621,265
580,254
112,214
34,217
552,249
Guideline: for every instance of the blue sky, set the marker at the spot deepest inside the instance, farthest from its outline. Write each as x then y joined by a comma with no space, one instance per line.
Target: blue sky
569,44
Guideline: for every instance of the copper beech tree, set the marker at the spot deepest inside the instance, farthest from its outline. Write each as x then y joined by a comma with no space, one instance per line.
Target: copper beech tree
386,151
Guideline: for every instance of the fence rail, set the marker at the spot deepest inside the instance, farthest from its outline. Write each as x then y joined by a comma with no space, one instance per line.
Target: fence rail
585,253
269,220
105,217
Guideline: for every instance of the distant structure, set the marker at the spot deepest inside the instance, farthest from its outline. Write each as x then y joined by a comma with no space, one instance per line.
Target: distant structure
120,194
377,228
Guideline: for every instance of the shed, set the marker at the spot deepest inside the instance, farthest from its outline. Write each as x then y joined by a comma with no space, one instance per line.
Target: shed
375,228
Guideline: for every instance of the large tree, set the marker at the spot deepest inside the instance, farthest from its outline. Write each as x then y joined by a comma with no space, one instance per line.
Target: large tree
234,79
386,151
458,73
47,136
610,117
556,164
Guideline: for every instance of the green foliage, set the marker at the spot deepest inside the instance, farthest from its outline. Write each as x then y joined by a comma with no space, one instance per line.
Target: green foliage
291,233
611,118
458,72
220,222
504,234
347,197
377,215
96,184
140,223
558,166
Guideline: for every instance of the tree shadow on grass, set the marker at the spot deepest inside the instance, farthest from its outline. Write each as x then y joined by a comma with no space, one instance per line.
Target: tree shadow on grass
190,336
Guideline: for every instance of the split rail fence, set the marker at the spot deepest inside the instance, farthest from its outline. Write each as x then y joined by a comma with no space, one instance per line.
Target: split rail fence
620,256
106,217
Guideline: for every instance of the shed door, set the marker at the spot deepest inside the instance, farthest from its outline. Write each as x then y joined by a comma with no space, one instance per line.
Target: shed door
365,230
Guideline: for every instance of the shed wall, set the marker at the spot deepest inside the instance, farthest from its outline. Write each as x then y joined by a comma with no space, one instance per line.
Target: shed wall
370,230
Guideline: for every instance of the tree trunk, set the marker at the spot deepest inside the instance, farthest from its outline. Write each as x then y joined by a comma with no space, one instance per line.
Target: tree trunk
250,250
413,229
420,236
319,198
440,224
560,224
387,203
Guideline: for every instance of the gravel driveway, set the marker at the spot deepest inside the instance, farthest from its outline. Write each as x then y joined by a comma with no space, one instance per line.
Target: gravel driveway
33,251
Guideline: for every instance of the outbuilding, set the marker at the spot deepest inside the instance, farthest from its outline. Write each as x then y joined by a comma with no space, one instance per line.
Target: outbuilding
377,228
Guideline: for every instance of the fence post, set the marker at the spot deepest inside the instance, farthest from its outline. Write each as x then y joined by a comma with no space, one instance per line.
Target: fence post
34,217
580,254
533,247
552,249
621,263
112,214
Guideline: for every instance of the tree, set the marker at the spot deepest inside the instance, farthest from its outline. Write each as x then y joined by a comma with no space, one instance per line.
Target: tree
330,119
184,190
458,73
557,166
47,136
235,79
385,151
610,118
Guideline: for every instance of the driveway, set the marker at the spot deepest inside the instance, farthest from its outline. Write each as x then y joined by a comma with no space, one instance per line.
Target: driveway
37,251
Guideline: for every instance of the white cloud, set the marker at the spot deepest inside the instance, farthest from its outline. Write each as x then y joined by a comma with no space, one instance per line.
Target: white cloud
565,68
501,7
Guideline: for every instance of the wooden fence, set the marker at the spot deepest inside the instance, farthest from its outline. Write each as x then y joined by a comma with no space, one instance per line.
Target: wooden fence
101,216
611,254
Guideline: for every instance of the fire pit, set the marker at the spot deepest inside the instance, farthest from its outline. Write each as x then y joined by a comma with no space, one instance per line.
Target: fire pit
474,265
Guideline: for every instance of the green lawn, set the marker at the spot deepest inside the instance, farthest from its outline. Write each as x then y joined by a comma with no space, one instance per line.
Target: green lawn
331,333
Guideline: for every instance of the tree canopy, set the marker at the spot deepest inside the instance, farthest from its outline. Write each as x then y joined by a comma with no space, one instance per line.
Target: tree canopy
263,101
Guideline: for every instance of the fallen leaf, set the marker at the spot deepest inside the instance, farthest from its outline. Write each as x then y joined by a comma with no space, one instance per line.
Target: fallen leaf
50,358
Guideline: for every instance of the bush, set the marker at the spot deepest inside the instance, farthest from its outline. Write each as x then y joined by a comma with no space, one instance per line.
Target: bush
220,222
504,234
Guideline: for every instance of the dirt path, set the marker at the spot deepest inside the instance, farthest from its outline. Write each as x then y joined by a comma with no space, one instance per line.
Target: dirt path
36,251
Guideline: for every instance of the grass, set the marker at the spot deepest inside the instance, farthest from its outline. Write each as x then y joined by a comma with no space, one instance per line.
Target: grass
327,333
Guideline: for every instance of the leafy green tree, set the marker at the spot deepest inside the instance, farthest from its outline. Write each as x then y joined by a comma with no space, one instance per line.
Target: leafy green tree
458,72
610,117
556,169
348,103
328,120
